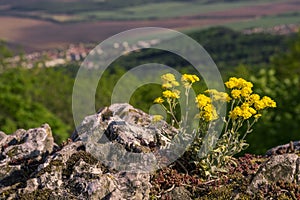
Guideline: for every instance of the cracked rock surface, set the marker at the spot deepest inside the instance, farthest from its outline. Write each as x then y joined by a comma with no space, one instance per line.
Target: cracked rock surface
32,166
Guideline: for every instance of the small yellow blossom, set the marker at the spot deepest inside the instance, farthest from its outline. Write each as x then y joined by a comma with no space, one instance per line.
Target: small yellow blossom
259,105
157,118
252,110
238,83
169,81
171,94
244,111
235,113
232,83
236,93
208,113
218,96
245,84
168,77
167,85
159,100
265,102
269,102
253,98
246,91
257,116
202,100
189,79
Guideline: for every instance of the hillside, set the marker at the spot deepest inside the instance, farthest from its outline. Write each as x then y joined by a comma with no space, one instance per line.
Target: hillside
25,91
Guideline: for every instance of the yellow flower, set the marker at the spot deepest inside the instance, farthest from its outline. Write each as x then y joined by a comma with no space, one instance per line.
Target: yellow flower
218,96
202,100
265,102
269,102
246,91
235,113
252,110
159,100
257,116
236,94
259,105
232,83
189,79
237,83
253,98
167,85
168,77
208,113
247,111
171,94
169,81
244,111
244,84
157,118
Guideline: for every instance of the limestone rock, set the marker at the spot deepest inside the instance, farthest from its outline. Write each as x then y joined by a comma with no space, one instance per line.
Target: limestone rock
126,138
22,147
32,166
278,168
179,193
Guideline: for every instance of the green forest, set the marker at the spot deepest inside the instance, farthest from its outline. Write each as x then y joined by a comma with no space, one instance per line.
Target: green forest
30,97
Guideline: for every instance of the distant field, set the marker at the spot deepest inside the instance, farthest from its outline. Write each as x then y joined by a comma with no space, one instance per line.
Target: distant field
168,10
36,34
268,21
77,11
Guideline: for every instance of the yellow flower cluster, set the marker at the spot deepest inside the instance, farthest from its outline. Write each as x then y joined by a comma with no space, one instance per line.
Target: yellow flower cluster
188,79
265,102
251,103
240,87
218,96
238,83
159,100
171,94
244,111
207,110
169,81
202,100
245,104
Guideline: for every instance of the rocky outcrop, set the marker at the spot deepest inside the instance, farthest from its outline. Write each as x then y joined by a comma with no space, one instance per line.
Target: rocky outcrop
111,156
22,148
278,168
97,164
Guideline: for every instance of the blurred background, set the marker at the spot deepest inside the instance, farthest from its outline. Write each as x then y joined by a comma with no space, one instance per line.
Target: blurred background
43,43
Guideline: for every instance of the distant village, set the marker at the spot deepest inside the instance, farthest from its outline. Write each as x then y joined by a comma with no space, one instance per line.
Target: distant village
277,30
73,53
78,52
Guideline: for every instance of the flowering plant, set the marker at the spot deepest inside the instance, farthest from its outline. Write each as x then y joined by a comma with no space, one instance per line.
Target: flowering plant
245,108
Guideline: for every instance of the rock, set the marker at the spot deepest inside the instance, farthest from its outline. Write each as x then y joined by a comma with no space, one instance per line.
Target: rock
292,147
33,167
126,139
22,147
278,168
179,193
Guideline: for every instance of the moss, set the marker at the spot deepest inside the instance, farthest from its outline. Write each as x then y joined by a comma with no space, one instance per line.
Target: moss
222,193
5,194
12,152
107,114
38,195
86,157
45,194
48,169
284,197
